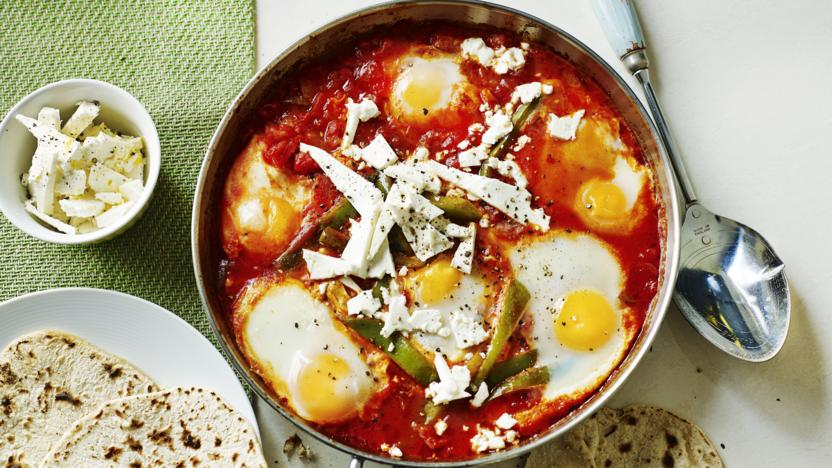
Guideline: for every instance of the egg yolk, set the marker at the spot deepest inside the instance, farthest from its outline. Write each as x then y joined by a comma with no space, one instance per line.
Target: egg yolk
602,201
327,390
585,322
426,85
265,223
436,281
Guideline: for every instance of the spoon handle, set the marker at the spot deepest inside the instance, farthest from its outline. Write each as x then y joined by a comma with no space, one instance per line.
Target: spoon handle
620,23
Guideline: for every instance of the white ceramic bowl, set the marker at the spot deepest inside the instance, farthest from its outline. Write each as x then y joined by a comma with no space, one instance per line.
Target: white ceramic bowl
119,110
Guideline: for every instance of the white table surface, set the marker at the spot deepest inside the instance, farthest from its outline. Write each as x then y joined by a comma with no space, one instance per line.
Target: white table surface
745,87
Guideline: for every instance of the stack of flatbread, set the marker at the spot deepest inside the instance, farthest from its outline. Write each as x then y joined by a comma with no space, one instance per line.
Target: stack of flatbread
64,402
632,436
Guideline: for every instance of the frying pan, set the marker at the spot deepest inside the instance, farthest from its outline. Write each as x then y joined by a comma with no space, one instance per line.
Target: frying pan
228,141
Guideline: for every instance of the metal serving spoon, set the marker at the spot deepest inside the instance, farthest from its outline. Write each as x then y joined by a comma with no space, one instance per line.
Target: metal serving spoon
731,285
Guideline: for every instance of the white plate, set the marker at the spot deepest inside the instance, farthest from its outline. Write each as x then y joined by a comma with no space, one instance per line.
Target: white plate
151,338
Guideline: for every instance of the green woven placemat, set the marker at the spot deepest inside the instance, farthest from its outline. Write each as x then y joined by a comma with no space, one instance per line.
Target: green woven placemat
185,61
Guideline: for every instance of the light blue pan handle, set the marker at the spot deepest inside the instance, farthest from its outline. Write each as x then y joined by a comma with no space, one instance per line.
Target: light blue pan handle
620,23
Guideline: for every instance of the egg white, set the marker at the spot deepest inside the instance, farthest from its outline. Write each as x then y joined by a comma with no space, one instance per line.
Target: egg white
283,327
552,267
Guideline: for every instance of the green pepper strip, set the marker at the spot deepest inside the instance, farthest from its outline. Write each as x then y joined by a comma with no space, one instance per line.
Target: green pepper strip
333,238
458,209
431,411
510,367
335,216
403,354
514,303
518,121
381,283
525,380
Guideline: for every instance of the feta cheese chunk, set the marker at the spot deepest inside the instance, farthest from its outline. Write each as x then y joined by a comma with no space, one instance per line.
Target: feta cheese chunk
51,117
55,223
112,215
501,60
72,183
357,112
416,175
467,330
131,190
440,427
486,440
382,262
397,318
521,142
363,304
51,140
515,202
413,213
473,156
378,153
110,198
474,48
498,125
480,396
510,169
82,208
322,266
81,119
463,258
363,195
452,382
104,179
505,421
566,127
528,92
42,179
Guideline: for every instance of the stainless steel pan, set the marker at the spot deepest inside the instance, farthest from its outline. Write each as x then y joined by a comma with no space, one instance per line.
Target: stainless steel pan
230,137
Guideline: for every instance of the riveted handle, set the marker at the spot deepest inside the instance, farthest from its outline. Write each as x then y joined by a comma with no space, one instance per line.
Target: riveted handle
620,23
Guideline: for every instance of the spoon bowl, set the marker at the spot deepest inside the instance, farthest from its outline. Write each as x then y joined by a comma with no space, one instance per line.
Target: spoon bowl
731,286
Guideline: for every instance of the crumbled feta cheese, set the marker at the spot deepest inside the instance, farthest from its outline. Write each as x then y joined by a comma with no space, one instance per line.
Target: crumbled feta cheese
381,263
378,153
476,128
42,179
510,169
463,258
51,140
452,382
403,270
505,421
104,179
55,223
528,92
391,347
511,59
484,222
566,127
398,319
513,201
501,60
474,48
421,154
499,125
322,288
357,112
463,145
112,215
521,143
81,119
82,208
480,396
413,213
486,440
110,198
474,156
363,303
356,252
467,330
440,427
395,452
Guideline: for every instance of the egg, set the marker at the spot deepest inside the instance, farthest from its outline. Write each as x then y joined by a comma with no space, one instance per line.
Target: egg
576,317
426,86
442,287
609,205
262,204
304,353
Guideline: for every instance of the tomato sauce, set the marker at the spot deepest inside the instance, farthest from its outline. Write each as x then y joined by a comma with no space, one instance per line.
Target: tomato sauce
310,108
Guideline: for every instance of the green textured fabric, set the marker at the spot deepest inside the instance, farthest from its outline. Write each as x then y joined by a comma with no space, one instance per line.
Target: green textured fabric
185,61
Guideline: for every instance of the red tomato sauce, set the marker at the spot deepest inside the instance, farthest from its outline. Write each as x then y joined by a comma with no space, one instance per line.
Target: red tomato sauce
310,108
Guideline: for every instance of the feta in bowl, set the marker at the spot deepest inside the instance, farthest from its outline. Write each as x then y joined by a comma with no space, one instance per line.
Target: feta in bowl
79,160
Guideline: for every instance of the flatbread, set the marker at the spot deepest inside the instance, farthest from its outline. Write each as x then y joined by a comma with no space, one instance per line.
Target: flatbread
50,379
632,436
177,427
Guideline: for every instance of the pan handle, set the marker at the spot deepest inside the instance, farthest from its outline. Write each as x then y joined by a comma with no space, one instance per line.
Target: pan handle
356,462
